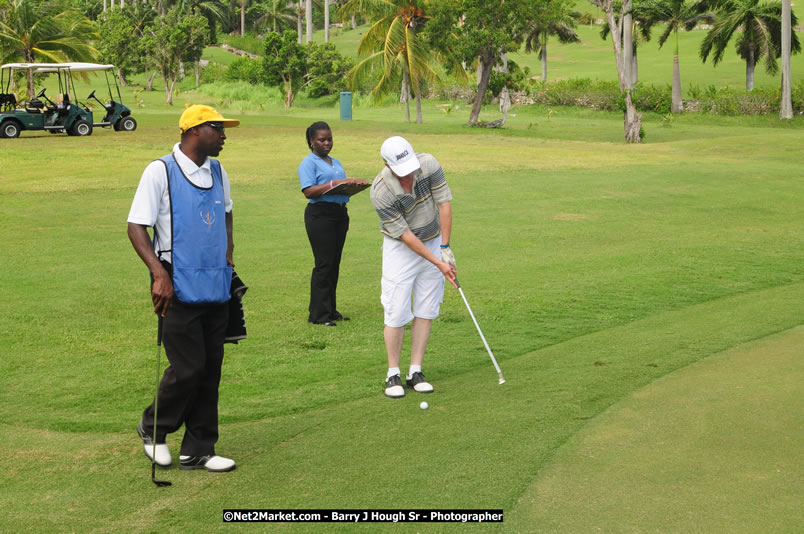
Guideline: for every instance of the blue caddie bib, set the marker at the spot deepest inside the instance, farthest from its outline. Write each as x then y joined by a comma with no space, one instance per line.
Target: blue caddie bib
198,225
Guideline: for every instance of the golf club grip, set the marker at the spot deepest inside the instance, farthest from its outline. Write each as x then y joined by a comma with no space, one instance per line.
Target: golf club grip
159,330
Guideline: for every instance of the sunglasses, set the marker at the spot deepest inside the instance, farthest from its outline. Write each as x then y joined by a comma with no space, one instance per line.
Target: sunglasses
216,126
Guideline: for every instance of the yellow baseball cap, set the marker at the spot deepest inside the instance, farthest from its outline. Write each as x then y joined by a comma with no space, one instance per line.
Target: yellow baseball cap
199,114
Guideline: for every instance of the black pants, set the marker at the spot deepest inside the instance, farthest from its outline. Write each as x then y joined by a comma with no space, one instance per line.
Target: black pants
188,393
326,225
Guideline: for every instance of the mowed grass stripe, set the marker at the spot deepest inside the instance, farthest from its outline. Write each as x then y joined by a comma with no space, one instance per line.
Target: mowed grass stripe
480,444
713,447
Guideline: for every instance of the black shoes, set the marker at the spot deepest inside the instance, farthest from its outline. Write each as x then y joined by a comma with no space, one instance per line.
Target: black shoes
337,316
324,323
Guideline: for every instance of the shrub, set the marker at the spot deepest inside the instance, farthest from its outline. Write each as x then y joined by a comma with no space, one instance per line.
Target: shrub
213,72
326,69
244,69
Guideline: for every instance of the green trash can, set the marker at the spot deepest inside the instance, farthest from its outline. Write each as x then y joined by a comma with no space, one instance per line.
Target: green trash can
346,106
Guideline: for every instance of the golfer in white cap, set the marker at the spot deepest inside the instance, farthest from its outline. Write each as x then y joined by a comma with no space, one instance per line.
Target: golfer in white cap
413,200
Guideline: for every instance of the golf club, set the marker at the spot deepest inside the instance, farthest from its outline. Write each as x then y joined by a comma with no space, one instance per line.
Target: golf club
160,483
493,360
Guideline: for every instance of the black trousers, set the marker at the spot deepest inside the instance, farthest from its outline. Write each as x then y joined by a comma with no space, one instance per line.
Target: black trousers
188,393
326,225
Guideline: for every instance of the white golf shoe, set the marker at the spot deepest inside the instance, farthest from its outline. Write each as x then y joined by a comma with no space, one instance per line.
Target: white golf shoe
163,458
393,387
419,383
213,464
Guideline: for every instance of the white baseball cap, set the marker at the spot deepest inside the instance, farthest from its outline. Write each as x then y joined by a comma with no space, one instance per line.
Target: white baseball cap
399,156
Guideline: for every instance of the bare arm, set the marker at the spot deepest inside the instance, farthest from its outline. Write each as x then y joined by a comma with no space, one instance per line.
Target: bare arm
162,291
316,191
230,238
416,245
445,218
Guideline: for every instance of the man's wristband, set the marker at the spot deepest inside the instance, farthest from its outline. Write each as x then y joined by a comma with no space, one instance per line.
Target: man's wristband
445,246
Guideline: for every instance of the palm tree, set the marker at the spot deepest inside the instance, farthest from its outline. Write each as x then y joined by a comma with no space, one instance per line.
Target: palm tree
639,32
555,17
308,17
275,14
674,14
760,26
786,108
47,32
392,42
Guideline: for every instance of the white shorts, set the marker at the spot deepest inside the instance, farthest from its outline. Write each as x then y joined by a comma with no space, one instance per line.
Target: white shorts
405,274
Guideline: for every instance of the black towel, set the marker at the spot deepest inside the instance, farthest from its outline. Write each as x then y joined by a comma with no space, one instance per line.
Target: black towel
236,329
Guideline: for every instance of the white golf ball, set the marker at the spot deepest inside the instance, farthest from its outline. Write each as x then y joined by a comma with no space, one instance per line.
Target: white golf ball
424,405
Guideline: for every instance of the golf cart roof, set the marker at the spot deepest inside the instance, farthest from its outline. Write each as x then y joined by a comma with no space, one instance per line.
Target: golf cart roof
55,67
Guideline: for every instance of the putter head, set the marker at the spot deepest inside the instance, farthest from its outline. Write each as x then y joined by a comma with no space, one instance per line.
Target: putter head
160,483
502,381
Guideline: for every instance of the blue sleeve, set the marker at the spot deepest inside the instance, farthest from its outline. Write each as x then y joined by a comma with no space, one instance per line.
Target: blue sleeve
307,173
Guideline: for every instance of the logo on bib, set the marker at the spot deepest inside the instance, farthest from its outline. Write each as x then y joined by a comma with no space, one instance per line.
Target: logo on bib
208,218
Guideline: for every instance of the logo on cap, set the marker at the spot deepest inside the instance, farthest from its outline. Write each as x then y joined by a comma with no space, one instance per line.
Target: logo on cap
402,155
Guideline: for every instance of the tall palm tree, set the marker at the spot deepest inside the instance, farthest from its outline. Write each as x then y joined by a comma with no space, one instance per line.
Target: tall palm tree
675,14
640,32
555,17
392,43
275,14
45,31
759,24
786,107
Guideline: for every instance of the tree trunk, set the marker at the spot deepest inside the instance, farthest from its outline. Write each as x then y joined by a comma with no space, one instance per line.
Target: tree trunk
786,110
418,104
404,95
750,64
289,94
242,18
121,77
150,85
169,91
299,28
628,44
104,6
354,22
326,21
308,6
677,103
543,56
31,92
633,120
197,74
486,64
635,67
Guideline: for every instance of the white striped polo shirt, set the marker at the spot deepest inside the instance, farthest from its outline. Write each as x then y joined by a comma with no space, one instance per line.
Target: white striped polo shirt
417,211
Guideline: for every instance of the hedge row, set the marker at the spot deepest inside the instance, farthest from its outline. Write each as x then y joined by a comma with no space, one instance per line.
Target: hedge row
606,96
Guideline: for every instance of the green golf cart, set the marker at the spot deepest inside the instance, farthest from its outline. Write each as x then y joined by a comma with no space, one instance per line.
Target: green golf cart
65,114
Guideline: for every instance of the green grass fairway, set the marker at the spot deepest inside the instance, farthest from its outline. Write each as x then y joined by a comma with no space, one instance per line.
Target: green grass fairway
713,447
595,268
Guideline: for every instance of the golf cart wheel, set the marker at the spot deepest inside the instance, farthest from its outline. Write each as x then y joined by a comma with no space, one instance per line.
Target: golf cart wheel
10,129
81,128
127,124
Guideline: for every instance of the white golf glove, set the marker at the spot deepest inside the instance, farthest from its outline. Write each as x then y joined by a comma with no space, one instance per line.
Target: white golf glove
447,256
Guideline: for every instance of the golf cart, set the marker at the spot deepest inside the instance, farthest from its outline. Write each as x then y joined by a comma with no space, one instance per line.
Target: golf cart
65,114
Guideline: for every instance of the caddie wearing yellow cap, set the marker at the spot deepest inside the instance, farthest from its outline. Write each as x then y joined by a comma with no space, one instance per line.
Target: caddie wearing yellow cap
185,197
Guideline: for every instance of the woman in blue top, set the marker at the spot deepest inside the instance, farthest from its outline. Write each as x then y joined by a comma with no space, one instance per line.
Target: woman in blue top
326,220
